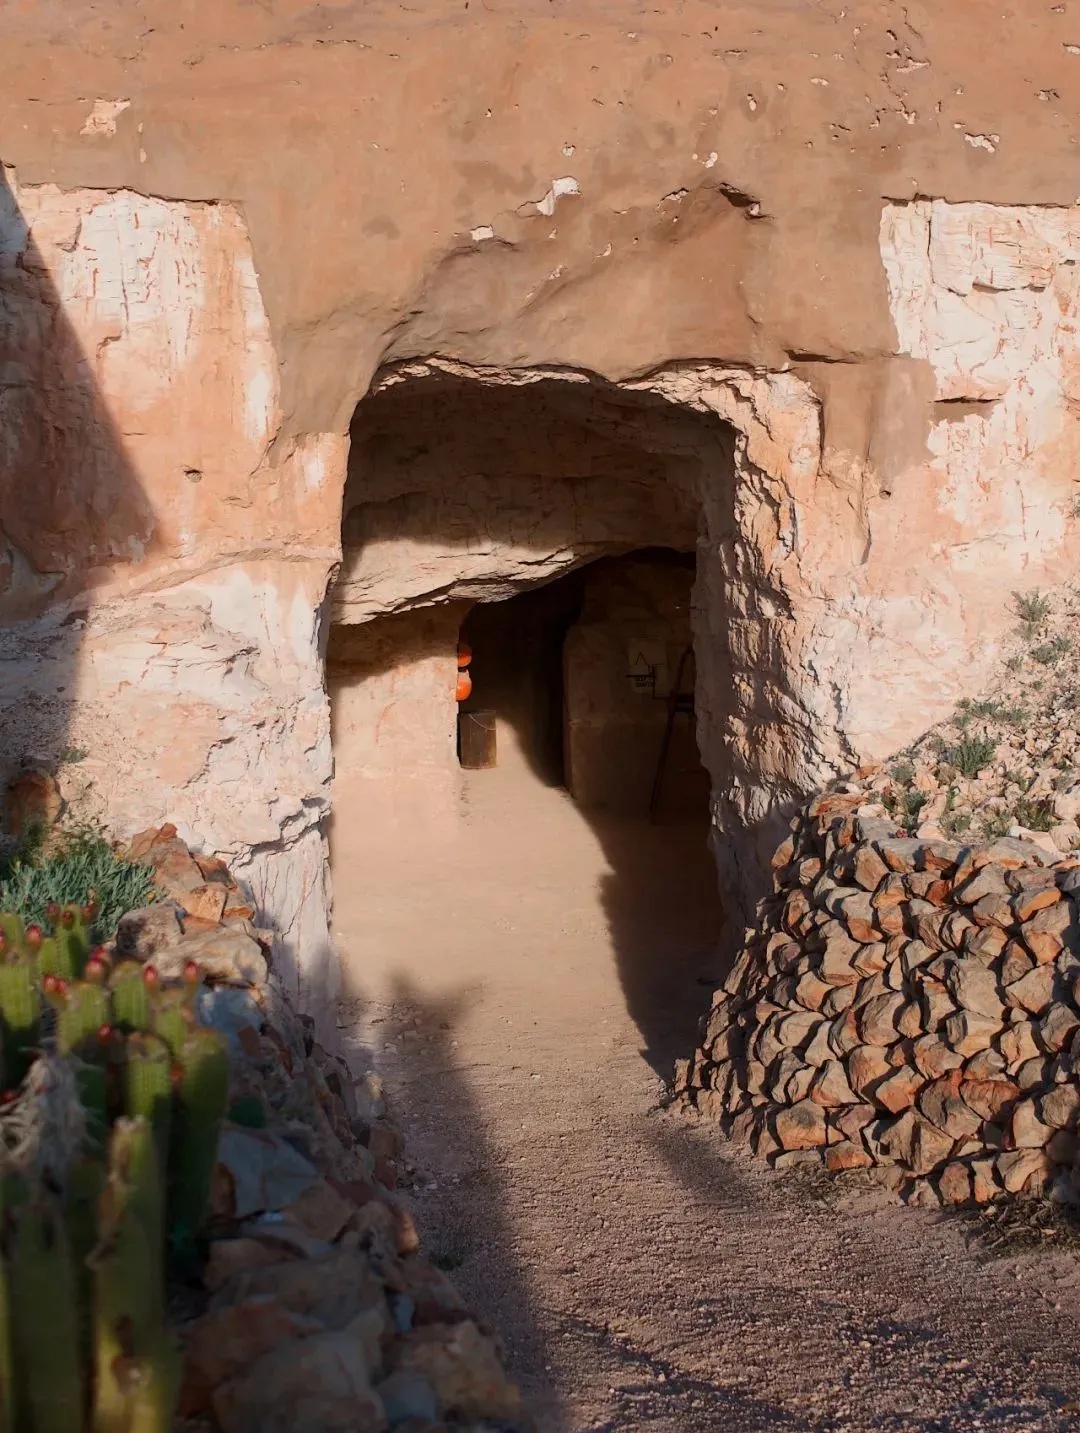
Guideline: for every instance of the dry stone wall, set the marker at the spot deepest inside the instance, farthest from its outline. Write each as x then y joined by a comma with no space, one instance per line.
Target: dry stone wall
905,1005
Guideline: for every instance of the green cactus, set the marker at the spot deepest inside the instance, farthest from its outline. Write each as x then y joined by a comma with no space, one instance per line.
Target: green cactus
137,1190
130,996
82,1243
11,928
202,1094
72,932
7,1360
173,1017
81,1012
12,1194
42,1288
20,1009
148,1086
51,960
136,1365
86,1181
92,1084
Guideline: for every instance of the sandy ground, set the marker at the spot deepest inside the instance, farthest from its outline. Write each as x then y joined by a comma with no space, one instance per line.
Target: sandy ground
519,979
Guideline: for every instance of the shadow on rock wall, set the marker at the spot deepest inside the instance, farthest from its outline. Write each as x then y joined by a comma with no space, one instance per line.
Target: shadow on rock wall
71,504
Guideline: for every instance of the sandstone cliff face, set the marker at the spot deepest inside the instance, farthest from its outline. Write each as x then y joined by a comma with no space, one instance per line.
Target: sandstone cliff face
219,227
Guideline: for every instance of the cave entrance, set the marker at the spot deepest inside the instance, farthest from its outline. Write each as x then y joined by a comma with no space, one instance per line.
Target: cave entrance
550,527
588,682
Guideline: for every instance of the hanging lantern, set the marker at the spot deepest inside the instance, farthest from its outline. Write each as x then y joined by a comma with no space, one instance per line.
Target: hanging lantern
464,685
464,655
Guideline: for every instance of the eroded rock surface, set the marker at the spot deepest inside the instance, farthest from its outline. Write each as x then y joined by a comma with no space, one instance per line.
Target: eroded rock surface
197,288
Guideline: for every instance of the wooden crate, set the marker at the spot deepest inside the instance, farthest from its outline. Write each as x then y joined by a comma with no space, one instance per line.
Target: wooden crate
476,740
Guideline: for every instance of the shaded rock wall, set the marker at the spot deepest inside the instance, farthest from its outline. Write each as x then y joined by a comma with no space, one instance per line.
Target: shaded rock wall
476,485
727,224
160,585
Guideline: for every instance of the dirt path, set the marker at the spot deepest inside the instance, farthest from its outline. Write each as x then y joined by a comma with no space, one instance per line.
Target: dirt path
514,978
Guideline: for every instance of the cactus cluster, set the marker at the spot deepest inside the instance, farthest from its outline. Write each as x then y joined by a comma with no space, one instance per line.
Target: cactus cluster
114,1098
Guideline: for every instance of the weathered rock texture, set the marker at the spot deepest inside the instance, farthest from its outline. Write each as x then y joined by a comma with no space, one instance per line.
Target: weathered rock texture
905,1004
716,221
391,681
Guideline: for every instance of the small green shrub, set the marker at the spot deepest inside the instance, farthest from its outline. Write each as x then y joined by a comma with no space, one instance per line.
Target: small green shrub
911,804
80,866
903,773
1035,815
1050,653
1014,715
1017,778
1032,608
971,754
955,823
997,825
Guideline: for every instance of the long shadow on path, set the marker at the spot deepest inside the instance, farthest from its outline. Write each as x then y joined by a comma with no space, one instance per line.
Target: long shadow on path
465,1231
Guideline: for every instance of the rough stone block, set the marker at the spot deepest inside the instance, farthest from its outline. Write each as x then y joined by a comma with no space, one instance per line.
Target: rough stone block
802,1126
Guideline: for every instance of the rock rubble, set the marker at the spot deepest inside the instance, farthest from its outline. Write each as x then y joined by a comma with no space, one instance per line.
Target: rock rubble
1007,763
908,1005
316,1310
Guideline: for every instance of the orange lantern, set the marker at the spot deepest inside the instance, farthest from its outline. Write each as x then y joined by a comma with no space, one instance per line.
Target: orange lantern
464,654
464,685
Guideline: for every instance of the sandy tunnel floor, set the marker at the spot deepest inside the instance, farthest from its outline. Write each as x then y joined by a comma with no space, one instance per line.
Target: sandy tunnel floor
514,976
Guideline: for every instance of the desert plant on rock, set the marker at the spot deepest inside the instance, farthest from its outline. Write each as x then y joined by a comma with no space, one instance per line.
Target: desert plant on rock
1032,608
1035,815
970,754
1048,654
108,1141
78,867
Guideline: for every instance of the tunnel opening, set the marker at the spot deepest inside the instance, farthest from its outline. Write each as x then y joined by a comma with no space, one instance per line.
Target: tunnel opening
589,681
547,533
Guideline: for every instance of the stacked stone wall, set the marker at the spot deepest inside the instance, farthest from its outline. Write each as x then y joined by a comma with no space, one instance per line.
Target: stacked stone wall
904,1005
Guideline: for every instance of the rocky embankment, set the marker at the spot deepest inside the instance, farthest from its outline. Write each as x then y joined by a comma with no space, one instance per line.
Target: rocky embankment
315,1308
1006,763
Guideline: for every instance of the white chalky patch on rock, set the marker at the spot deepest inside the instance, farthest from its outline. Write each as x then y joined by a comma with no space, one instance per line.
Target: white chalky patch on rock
102,118
560,188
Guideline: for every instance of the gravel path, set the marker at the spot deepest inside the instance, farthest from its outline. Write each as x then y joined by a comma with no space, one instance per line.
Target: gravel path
519,979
